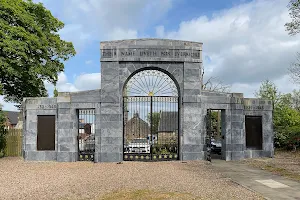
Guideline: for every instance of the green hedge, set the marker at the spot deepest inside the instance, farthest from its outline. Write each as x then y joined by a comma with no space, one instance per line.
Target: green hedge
287,137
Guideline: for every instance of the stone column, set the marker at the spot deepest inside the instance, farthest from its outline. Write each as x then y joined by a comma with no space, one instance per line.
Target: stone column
110,120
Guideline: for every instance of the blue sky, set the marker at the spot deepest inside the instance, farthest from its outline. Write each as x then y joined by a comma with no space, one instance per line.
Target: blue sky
244,42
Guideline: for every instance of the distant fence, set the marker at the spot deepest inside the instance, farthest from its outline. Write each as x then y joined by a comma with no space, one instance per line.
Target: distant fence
13,142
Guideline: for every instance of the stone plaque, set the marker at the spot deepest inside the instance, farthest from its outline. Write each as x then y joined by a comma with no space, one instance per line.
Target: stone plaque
46,106
155,53
254,107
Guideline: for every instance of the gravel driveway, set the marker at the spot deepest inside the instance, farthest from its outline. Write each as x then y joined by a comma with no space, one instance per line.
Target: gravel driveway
86,180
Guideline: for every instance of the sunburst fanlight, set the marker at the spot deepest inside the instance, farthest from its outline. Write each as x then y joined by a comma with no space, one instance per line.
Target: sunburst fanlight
151,83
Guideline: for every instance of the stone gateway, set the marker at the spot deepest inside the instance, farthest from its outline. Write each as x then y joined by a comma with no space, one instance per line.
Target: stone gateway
150,107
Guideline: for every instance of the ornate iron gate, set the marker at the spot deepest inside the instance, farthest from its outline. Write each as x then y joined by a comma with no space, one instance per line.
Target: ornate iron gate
86,134
208,135
150,128
150,117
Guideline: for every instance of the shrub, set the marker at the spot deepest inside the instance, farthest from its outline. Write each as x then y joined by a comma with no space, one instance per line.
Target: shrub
2,142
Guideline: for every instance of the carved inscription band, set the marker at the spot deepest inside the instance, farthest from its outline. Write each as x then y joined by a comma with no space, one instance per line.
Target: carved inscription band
165,53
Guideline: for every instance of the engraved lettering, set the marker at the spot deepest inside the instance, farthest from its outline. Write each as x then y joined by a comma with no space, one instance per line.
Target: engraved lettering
148,53
46,106
106,53
253,107
166,54
127,53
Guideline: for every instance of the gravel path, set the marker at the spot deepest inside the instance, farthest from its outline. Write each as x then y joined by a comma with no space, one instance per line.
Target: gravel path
85,180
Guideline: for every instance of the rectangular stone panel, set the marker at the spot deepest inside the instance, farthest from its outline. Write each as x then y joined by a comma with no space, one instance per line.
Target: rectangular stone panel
111,148
50,155
64,111
192,148
35,155
110,157
194,156
237,155
111,140
65,117
192,99
111,132
193,140
192,132
65,125
235,147
110,117
191,91
67,156
192,75
237,125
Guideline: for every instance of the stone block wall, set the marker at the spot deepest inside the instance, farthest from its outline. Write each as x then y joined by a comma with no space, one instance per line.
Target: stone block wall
64,107
182,61
32,108
263,108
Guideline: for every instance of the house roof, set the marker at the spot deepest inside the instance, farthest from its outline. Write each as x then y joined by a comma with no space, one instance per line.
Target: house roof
12,116
168,122
81,125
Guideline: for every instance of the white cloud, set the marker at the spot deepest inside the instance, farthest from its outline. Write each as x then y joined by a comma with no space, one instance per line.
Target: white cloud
82,82
245,44
121,34
95,20
88,62
88,81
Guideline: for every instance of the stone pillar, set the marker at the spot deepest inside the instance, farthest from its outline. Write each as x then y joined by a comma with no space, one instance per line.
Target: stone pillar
110,119
67,130
192,147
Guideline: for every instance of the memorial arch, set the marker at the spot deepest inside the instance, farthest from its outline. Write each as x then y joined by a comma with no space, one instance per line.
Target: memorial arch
131,110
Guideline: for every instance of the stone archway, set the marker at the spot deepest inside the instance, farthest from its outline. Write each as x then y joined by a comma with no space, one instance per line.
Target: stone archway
181,61
150,116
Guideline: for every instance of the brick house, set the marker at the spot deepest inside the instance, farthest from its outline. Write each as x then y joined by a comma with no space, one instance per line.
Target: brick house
12,119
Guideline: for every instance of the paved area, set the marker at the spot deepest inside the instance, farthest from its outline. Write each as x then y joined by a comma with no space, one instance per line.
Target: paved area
267,184
87,180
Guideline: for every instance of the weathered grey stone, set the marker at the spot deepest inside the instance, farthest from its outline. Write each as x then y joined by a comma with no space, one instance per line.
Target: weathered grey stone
64,111
193,140
182,62
112,140
268,146
235,147
113,132
237,155
35,155
31,146
86,96
110,117
65,133
66,140
110,157
194,156
111,148
65,117
191,91
50,155
191,148
67,156
65,125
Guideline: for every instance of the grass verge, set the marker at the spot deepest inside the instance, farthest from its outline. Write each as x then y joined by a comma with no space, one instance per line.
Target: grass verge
146,195
284,163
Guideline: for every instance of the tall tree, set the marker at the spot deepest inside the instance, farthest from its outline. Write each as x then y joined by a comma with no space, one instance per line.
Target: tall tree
268,90
31,50
293,28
